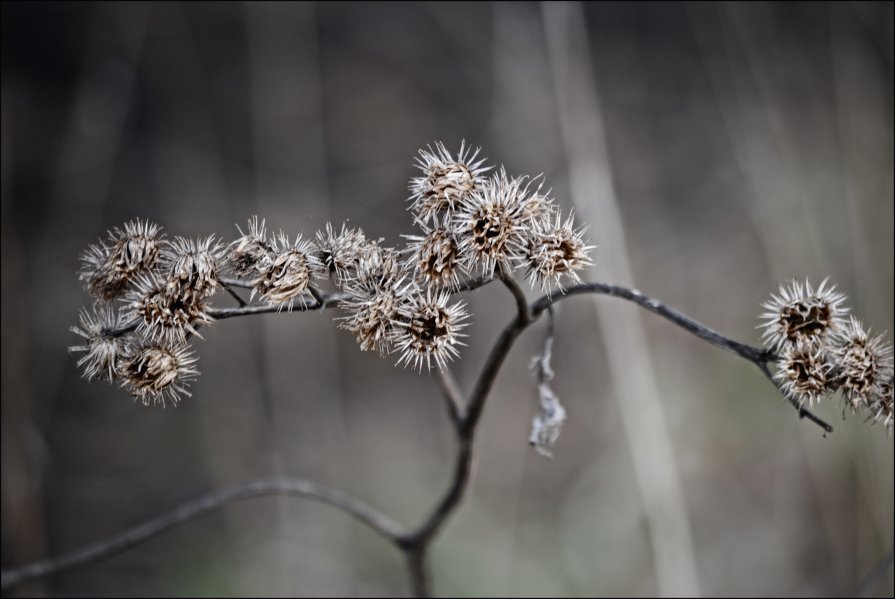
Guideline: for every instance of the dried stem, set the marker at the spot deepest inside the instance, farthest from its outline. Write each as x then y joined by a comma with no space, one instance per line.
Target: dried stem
233,294
194,508
452,395
753,354
758,356
413,543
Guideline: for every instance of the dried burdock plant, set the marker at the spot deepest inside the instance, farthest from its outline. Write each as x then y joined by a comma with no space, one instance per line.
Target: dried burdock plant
252,253
340,253
445,182
555,250
864,365
109,267
429,329
806,373
103,344
162,310
285,276
800,313
472,230
435,256
158,373
821,353
492,225
192,268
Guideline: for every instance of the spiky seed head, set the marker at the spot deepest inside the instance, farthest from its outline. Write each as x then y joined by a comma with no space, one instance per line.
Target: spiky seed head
805,372
800,313
446,180
555,249
162,313
881,410
373,317
101,327
491,225
192,267
251,253
429,329
108,268
379,268
288,274
340,253
864,363
435,256
158,373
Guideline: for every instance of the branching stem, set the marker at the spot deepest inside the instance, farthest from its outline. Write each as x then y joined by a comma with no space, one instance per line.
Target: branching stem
465,417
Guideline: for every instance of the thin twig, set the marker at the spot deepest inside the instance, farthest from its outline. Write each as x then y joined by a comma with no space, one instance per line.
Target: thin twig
466,426
185,512
753,354
318,295
235,282
756,355
522,312
233,294
452,395
473,284
329,299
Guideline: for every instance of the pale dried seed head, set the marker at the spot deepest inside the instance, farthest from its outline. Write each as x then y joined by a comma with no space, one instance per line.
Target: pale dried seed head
429,329
864,364
158,373
805,372
108,268
491,225
161,313
435,257
192,267
288,273
373,316
881,409
802,314
102,329
379,268
251,253
340,253
446,181
554,250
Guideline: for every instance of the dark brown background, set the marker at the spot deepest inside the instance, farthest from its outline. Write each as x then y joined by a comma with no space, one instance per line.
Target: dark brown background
716,150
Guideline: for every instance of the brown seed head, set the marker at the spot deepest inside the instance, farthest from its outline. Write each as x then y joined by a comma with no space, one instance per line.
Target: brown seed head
158,373
800,313
108,268
104,343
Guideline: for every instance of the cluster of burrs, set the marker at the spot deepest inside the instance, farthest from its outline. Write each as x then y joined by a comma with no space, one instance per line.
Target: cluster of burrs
821,352
152,295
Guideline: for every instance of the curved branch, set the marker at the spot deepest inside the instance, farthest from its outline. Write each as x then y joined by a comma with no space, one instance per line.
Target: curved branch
105,548
753,354
229,289
758,356
453,397
321,301
413,543
419,538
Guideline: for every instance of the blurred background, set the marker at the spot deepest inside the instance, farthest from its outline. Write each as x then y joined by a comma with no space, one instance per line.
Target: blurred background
715,150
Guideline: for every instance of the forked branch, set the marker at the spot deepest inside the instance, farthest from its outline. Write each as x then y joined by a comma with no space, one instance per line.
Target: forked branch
465,417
